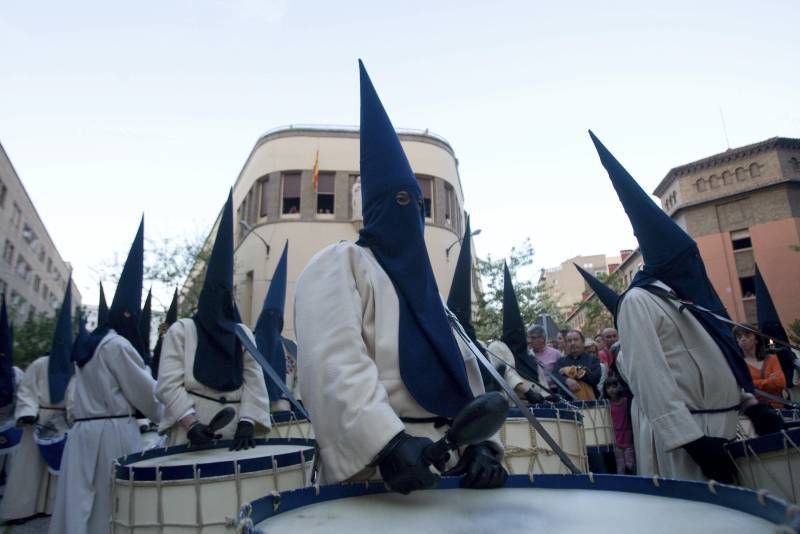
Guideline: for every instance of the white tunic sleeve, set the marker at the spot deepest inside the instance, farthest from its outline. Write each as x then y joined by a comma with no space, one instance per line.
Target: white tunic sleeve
134,380
255,399
170,389
339,381
649,375
27,396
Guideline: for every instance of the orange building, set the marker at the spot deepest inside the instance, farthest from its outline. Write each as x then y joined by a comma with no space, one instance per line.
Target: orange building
742,206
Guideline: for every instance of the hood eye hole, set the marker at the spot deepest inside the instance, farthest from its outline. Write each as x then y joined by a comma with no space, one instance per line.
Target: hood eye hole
402,198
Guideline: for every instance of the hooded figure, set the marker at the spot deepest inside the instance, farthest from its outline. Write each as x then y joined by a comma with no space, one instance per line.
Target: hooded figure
60,367
269,327
514,332
102,308
769,323
144,326
10,377
169,320
605,294
683,366
110,384
203,368
379,365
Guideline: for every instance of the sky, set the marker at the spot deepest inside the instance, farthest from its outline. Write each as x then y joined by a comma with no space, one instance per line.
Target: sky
110,109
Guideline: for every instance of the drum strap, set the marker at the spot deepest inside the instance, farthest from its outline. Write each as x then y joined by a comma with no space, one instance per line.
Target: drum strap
102,417
735,407
437,422
221,400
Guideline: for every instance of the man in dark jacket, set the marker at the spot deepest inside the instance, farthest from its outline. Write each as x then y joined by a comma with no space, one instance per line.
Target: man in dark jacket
576,356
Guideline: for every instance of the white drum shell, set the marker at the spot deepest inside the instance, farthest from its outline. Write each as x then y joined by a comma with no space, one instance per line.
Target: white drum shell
294,428
778,471
202,505
597,426
527,453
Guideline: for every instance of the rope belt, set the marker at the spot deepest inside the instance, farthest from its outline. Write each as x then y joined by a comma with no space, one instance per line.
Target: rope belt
436,421
99,417
221,400
733,408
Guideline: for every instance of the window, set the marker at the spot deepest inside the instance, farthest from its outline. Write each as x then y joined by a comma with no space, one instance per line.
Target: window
740,174
325,192
741,239
701,185
29,236
727,178
426,184
794,162
3,191
16,216
755,170
45,292
23,269
714,181
8,252
41,254
36,282
291,193
748,285
264,198
450,205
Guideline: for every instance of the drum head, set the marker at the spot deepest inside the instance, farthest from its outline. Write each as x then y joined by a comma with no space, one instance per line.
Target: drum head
552,503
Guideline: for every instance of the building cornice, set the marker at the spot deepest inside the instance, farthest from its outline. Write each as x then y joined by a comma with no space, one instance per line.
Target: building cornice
732,196
728,156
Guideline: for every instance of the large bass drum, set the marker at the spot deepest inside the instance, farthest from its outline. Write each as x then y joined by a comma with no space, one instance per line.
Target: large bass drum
526,452
182,489
565,504
289,424
770,462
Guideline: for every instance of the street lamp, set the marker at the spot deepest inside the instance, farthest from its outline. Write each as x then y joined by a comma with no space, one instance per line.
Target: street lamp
249,229
457,241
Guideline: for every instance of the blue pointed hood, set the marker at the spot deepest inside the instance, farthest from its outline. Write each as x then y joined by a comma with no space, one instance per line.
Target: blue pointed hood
218,361
123,316
431,365
81,338
144,326
607,296
60,367
6,357
270,325
102,308
169,319
671,256
768,320
515,335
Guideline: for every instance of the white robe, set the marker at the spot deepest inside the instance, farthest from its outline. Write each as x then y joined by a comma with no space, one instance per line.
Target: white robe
500,350
7,419
176,380
346,321
672,366
31,489
114,382
278,405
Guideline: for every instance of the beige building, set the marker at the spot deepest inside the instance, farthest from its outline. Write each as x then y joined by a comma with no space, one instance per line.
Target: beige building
742,206
275,201
32,273
564,283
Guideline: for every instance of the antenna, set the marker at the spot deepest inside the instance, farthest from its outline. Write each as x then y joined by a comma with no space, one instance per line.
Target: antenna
724,128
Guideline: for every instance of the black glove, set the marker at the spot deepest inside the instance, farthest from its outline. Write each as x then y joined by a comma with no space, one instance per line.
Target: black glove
27,420
480,468
555,398
709,454
533,397
243,439
200,434
765,419
402,465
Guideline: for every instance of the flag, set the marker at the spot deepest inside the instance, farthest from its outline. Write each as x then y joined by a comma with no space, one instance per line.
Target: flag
315,173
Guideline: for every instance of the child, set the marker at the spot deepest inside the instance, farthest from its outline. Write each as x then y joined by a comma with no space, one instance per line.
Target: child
623,432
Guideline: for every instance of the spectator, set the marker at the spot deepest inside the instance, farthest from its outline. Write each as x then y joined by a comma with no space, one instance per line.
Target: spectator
582,371
601,344
547,356
764,368
623,430
609,336
561,344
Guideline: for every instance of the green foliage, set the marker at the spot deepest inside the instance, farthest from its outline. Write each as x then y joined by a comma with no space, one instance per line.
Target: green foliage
34,337
532,301
794,332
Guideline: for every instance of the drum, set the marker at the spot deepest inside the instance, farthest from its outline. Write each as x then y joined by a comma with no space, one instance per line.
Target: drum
598,431
770,462
51,446
182,489
565,504
526,453
289,424
9,437
745,430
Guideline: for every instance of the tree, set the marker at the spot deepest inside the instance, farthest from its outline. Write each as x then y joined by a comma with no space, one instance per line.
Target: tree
34,337
532,300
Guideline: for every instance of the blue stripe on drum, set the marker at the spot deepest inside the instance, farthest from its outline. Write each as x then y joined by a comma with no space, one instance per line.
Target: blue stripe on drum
763,444
554,412
286,416
125,470
766,507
